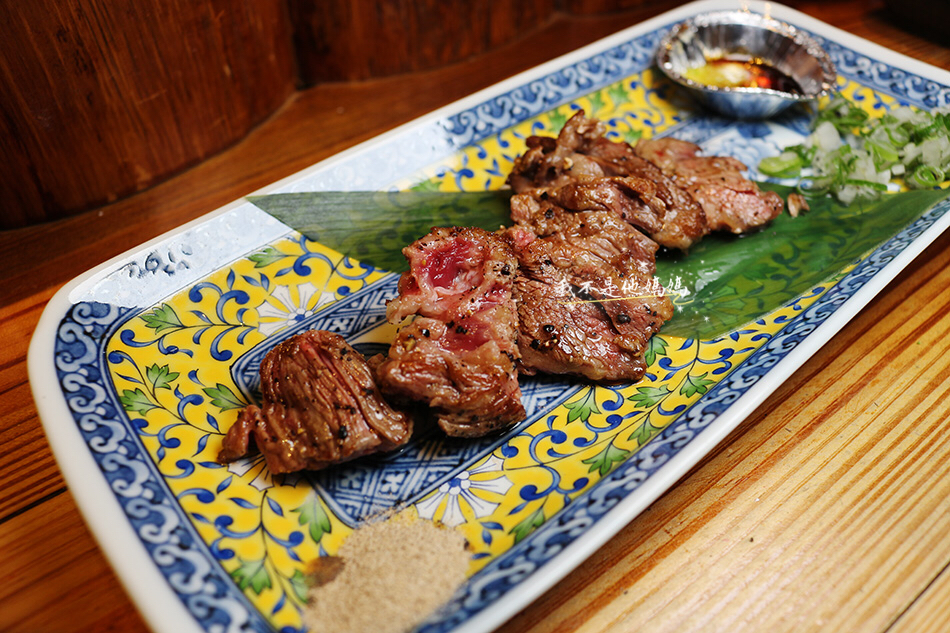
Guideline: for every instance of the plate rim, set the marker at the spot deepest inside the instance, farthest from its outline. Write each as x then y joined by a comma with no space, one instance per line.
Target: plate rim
164,611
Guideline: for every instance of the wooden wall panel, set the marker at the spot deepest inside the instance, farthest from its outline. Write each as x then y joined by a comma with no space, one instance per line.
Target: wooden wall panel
102,98
600,7
364,39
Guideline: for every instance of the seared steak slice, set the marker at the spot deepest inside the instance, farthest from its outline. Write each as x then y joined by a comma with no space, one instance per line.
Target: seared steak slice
585,170
551,163
454,273
587,299
683,220
730,201
320,407
603,234
459,370
632,199
459,355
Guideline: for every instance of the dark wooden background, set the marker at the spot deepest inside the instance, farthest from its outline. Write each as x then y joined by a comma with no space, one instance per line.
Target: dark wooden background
842,476
104,98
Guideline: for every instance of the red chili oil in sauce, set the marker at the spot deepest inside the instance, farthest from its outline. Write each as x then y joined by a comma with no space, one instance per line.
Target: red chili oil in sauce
742,73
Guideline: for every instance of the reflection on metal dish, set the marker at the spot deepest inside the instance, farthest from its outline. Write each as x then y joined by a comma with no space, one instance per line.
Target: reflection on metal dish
690,52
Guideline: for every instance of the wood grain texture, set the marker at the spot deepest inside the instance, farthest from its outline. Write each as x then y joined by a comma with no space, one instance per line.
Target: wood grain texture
365,39
875,21
28,471
931,612
595,7
103,99
65,586
827,509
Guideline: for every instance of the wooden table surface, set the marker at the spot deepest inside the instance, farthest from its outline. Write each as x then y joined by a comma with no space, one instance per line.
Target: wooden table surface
828,509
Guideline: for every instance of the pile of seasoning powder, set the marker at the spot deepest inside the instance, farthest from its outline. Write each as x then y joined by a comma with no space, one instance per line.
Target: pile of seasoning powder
387,577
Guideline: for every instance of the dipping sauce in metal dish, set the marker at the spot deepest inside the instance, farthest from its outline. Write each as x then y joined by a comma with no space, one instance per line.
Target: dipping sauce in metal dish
742,73
745,65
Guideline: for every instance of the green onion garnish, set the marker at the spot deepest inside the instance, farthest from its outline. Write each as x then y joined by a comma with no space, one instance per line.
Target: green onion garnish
851,155
928,176
785,165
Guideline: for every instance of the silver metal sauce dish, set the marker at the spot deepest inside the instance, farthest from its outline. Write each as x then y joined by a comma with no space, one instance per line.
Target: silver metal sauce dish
754,37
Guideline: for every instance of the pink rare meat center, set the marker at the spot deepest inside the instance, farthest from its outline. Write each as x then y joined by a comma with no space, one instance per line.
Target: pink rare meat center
444,268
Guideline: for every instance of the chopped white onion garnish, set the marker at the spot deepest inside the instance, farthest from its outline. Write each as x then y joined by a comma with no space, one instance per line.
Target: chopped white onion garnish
852,156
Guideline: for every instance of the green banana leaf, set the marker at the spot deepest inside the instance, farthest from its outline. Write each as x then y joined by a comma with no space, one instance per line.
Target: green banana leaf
723,283
374,226
726,281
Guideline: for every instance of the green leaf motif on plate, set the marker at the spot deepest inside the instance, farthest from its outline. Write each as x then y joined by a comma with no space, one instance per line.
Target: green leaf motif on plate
137,401
299,585
597,104
582,409
644,433
252,574
527,525
557,120
632,136
313,517
648,396
656,347
618,93
224,398
267,256
160,377
426,185
605,460
162,318
696,385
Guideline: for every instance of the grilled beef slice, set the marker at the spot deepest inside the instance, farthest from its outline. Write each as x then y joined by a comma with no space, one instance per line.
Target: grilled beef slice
320,407
587,299
551,163
459,355
587,171
730,201
604,234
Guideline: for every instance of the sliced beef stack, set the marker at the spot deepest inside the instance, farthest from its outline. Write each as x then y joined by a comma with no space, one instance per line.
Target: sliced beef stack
587,171
459,354
569,289
730,201
662,186
587,298
320,407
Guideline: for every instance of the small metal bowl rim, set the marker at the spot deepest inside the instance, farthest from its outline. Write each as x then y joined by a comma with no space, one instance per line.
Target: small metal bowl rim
748,18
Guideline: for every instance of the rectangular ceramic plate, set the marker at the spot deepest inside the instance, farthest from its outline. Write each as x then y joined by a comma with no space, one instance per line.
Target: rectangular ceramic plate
140,366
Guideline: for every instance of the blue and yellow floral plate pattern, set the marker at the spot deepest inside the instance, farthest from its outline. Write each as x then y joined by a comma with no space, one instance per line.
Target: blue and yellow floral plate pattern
141,366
